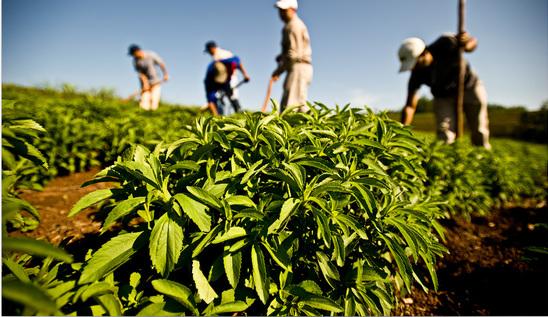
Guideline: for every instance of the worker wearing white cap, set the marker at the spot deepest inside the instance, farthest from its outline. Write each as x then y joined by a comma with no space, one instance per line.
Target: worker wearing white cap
437,66
295,58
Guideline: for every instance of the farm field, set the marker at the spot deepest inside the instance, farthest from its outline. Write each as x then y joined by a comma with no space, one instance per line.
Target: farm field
185,213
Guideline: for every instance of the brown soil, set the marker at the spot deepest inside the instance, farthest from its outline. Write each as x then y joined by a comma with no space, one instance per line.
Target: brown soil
488,270
54,204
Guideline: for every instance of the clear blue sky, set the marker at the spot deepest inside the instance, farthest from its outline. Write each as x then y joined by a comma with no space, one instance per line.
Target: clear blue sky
354,42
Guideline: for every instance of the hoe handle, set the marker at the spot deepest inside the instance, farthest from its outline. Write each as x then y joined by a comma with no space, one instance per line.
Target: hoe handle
460,93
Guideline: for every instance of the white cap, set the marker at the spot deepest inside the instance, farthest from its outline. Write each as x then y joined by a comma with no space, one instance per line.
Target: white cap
409,52
287,4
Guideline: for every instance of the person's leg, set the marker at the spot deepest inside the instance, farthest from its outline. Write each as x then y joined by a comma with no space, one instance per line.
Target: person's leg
233,98
145,100
296,86
233,83
475,109
220,104
235,105
304,82
155,97
444,109
288,89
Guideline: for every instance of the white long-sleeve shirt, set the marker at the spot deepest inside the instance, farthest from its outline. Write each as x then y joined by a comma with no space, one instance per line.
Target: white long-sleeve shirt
295,45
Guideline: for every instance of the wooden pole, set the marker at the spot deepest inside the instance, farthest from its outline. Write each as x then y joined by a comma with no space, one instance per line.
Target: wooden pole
268,93
462,70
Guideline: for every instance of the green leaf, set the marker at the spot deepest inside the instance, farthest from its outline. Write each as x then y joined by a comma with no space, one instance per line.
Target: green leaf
154,309
12,205
111,304
207,294
260,279
233,263
289,207
166,243
90,199
205,197
297,173
61,291
233,307
111,255
29,295
280,256
204,242
97,289
406,271
122,209
316,163
188,165
27,124
16,269
326,267
177,291
252,170
196,211
232,233
241,201
322,303
35,247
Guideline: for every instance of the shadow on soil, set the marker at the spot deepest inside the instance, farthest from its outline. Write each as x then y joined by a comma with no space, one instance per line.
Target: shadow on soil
494,274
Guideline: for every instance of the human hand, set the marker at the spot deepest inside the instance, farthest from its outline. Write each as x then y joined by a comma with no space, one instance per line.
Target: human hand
246,79
463,38
166,77
275,78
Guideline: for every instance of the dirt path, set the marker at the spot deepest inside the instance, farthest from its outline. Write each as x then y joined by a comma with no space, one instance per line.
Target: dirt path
488,270
54,204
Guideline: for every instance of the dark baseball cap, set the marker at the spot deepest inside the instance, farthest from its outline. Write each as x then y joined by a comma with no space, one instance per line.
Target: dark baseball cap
210,45
132,49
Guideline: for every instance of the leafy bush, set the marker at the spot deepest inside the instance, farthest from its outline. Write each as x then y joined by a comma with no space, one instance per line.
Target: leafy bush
279,214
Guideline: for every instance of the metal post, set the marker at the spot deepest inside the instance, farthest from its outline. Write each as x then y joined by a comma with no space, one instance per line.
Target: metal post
462,70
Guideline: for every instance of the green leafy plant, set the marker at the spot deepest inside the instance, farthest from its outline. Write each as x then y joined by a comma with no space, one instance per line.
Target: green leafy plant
282,214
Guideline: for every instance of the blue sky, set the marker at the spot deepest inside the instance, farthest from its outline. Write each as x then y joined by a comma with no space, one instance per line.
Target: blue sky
354,44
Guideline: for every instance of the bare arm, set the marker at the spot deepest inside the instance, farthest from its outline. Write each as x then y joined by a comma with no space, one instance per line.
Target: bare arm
145,85
244,72
410,107
164,71
280,69
213,108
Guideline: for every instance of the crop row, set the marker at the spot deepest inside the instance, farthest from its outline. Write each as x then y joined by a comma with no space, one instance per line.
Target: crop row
331,212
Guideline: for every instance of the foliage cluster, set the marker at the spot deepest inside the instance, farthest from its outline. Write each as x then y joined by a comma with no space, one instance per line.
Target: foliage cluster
86,130
280,214
472,180
29,283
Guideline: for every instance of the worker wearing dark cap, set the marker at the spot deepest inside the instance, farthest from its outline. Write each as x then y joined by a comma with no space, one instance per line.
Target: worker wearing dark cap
217,54
145,63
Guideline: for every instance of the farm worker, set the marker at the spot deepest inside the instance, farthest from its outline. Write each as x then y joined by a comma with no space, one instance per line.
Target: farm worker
437,66
217,80
295,57
145,63
218,54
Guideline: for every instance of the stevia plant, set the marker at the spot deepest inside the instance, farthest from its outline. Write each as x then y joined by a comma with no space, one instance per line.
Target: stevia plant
284,214
29,267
